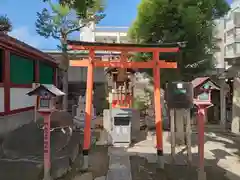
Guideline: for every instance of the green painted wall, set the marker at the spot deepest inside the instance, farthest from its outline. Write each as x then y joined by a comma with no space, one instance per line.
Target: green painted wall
46,73
1,65
21,70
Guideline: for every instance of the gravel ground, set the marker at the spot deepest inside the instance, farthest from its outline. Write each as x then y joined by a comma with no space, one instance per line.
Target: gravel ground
98,162
142,170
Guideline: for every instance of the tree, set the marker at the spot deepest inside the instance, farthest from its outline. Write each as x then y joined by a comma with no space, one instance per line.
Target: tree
5,24
83,8
190,21
62,20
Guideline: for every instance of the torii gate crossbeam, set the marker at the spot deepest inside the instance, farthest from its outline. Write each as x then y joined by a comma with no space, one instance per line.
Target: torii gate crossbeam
154,64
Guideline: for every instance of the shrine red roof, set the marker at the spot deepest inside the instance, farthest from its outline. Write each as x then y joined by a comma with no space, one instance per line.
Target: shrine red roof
196,82
200,80
14,45
126,45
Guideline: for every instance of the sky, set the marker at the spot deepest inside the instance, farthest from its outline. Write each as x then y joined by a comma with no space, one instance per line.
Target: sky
23,16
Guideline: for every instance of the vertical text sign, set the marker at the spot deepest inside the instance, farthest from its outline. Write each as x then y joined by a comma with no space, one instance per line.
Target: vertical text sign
46,143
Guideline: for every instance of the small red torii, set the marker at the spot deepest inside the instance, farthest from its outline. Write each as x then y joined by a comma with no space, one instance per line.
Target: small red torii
123,62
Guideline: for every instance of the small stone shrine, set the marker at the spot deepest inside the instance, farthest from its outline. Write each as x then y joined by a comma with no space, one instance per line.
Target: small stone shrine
79,119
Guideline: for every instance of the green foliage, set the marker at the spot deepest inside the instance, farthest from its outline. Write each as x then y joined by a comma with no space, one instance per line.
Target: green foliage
56,23
63,17
85,8
178,21
138,104
5,24
60,21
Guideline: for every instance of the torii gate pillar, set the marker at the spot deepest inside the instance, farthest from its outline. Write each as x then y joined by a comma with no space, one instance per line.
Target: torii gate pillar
154,64
158,112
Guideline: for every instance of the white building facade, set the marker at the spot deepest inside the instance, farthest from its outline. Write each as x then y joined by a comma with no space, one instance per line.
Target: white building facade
109,34
227,33
219,37
232,31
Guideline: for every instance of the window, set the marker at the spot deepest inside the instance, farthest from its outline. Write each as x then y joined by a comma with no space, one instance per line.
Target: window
204,96
1,65
46,73
237,18
230,32
121,121
21,70
237,48
44,103
225,51
237,34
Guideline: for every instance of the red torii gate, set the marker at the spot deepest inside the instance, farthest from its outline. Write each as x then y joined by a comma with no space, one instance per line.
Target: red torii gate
123,62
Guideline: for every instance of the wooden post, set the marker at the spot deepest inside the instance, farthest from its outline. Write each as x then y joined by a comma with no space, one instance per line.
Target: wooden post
188,135
172,130
179,125
34,85
6,81
88,111
158,112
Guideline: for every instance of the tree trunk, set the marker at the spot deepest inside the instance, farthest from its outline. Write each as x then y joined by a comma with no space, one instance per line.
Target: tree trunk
64,65
65,90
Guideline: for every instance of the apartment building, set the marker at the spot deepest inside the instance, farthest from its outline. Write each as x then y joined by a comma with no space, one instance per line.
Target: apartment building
219,38
232,31
109,34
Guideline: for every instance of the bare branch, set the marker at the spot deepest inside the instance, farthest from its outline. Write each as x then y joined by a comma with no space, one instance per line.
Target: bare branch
75,29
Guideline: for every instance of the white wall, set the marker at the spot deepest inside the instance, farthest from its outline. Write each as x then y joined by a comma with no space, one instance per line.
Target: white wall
1,99
19,99
87,33
230,36
117,37
80,74
219,34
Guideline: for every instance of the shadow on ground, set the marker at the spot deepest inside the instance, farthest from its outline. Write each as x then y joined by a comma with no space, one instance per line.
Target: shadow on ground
221,159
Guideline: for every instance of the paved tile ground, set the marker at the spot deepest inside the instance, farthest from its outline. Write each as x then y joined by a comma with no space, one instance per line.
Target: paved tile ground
119,164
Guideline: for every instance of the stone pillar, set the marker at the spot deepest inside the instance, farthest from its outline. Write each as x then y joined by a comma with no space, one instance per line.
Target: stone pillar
106,137
236,107
222,103
180,126
135,128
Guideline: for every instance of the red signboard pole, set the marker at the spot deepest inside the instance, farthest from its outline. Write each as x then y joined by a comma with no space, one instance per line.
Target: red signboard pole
47,145
201,117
